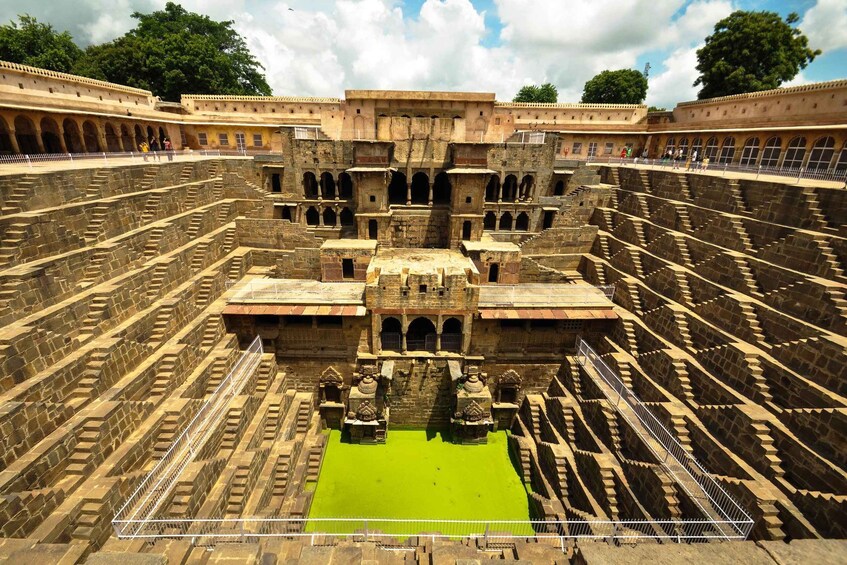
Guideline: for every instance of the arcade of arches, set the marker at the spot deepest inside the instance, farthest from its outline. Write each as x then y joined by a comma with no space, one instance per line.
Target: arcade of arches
40,132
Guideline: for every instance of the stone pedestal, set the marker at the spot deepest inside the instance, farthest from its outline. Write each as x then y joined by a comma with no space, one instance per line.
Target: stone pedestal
471,419
367,419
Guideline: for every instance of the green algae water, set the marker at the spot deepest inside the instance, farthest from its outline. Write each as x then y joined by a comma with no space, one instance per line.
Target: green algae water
418,475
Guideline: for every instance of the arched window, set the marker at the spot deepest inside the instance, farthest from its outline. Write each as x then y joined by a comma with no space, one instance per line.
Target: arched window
390,335
670,145
139,135
162,137
50,136
821,155
492,189
522,222
727,150
795,153
466,229
113,144
25,134
373,230
90,137
510,188
683,146
346,217
421,335
327,185
345,186
397,188
697,145
441,189
73,140
5,138
506,221
312,216
489,223
525,189
559,190
126,139
420,188
150,134
711,149
310,185
841,164
329,217
770,154
750,152
451,335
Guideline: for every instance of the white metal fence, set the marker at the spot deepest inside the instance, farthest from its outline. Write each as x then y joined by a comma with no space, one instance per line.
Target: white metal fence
141,507
729,519
798,173
43,159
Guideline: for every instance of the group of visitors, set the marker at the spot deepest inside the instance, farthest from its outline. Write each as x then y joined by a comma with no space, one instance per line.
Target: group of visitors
155,148
679,159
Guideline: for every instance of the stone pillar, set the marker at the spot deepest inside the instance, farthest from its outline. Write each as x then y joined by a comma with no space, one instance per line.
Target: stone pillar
62,143
14,141
438,341
321,217
403,332
101,138
38,141
408,192
429,200
500,191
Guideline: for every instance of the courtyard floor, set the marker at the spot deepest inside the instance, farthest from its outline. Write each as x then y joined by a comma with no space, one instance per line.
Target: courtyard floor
418,475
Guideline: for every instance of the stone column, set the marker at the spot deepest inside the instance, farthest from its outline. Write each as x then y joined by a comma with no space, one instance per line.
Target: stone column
408,193
429,200
14,141
62,143
320,217
38,140
403,332
101,138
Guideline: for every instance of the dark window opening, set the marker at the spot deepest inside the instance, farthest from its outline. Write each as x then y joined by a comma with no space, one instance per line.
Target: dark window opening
332,394
397,188
286,213
276,185
422,289
267,320
494,272
466,230
549,216
489,223
509,394
329,321
373,229
347,268
298,320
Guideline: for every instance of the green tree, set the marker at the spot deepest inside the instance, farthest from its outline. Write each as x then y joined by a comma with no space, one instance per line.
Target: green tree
751,51
546,93
38,45
174,51
656,109
625,86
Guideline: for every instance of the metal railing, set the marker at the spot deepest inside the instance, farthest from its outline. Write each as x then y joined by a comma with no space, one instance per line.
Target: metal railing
814,173
715,503
401,532
33,160
154,489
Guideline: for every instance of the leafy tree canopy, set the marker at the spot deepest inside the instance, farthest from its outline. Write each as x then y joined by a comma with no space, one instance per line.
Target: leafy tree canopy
38,45
656,109
751,51
625,86
534,93
174,51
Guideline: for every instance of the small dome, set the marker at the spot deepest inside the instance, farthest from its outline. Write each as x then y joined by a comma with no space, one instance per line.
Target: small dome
367,385
473,384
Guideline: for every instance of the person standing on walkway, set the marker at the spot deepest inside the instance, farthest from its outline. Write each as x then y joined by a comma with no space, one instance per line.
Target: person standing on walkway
169,149
154,147
144,148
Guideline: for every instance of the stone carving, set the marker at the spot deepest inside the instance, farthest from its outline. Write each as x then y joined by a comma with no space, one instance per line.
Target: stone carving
473,384
331,376
473,412
510,377
366,412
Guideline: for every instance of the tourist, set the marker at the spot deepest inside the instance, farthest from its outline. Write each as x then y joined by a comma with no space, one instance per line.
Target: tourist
692,162
623,154
629,152
705,164
154,147
144,148
169,149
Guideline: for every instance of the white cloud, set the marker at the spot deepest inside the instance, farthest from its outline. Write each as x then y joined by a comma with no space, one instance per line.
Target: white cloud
675,83
825,24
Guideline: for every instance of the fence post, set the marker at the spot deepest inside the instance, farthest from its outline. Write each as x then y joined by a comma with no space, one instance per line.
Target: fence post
800,174
485,537
28,162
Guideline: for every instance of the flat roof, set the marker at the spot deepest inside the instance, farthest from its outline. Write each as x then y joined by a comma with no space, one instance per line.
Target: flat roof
369,169
505,246
349,244
299,292
420,261
545,296
422,95
469,171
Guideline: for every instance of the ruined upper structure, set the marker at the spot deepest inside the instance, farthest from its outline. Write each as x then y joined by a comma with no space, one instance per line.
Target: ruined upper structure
45,111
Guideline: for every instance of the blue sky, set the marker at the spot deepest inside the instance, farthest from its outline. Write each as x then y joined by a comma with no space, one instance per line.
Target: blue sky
321,47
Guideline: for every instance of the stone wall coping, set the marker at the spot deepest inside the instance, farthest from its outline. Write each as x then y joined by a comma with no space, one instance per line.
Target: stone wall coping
840,83
73,78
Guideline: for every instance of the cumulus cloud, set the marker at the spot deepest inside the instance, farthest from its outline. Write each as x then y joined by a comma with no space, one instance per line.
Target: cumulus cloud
825,24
